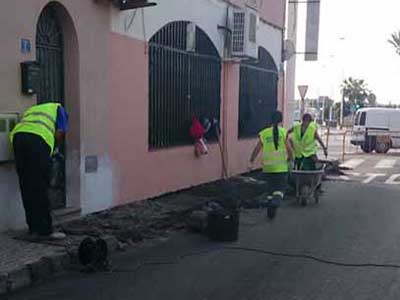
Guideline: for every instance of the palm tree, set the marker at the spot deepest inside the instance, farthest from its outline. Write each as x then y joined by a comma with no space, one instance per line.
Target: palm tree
355,91
395,41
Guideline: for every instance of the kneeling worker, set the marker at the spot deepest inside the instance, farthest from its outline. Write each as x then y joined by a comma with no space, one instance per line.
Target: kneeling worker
33,140
276,152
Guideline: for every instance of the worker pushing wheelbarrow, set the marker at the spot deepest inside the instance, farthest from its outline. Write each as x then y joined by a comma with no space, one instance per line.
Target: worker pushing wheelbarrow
308,170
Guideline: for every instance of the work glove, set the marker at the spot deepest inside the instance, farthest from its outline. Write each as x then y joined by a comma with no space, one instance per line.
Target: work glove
57,155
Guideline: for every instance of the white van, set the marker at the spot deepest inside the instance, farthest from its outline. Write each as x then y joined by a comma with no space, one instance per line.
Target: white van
376,129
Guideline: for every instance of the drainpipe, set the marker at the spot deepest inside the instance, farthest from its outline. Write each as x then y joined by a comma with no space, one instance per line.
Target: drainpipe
284,95
225,155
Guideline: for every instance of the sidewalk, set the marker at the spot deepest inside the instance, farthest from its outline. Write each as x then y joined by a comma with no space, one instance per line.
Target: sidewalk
24,263
15,259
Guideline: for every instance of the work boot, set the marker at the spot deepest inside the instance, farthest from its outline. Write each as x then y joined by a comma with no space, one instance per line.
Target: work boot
275,202
265,203
55,236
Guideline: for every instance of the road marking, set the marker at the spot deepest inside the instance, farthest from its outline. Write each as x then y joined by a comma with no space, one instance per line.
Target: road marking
385,164
372,176
352,163
393,179
353,174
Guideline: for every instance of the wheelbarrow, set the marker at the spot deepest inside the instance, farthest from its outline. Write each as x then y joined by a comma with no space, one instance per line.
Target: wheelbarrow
307,184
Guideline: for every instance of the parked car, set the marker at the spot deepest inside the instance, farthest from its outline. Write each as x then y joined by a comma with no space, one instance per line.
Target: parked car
376,129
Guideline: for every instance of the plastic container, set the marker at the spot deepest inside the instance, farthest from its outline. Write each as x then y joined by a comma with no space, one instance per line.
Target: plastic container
223,225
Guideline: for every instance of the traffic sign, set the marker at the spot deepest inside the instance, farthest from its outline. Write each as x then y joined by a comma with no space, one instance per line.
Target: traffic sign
303,90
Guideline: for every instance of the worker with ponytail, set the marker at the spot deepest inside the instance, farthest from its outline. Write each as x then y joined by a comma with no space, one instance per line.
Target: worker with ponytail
276,154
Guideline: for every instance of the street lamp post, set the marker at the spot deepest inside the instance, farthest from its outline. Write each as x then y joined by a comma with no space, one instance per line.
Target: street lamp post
342,39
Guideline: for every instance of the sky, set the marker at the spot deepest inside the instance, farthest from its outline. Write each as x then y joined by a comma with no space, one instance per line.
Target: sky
353,43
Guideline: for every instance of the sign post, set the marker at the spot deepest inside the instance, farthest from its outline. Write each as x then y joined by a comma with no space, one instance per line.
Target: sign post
303,92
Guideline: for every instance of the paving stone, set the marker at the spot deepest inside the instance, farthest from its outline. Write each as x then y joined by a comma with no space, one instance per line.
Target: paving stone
14,254
59,262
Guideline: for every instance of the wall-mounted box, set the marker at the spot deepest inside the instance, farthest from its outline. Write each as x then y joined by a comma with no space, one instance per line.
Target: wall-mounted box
7,123
30,77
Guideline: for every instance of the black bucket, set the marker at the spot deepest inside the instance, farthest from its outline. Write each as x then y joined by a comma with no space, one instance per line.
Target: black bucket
93,252
223,225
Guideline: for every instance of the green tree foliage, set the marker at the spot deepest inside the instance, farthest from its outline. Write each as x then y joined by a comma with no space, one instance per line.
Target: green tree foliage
356,92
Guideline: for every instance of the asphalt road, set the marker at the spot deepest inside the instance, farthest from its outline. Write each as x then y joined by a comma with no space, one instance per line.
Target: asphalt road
354,223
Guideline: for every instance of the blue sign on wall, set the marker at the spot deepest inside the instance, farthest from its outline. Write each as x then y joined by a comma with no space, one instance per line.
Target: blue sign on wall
26,46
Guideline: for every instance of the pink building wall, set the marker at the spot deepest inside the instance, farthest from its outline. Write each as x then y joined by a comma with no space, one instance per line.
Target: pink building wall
271,11
139,173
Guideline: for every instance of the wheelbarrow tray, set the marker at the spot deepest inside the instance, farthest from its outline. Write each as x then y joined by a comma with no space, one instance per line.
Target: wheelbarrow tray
307,183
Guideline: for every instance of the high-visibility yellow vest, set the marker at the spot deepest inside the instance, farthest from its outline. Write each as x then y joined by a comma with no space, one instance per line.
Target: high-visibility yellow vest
274,160
305,146
40,120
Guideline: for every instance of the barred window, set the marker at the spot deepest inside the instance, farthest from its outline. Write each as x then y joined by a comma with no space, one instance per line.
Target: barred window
184,82
258,93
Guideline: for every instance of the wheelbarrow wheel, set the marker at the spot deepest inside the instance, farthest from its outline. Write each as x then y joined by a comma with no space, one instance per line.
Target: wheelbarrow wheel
304,195
271,212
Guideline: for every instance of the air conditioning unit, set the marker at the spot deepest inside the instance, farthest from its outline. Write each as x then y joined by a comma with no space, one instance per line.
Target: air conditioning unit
244,25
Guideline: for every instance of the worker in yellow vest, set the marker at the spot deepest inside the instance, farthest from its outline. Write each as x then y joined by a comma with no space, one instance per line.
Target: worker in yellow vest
304,138
34,139
276,154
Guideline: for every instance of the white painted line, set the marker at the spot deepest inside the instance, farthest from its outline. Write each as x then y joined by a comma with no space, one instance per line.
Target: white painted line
393,180
352,163
372,176
343,177
385,164
353,174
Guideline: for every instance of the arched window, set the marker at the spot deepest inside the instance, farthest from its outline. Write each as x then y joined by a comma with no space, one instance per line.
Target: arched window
184,81
258,93
50,56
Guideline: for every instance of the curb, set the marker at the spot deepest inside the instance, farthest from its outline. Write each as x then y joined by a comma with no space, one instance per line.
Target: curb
44,269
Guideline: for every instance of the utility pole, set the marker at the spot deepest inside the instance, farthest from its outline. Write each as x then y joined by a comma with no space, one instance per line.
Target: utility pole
341,112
